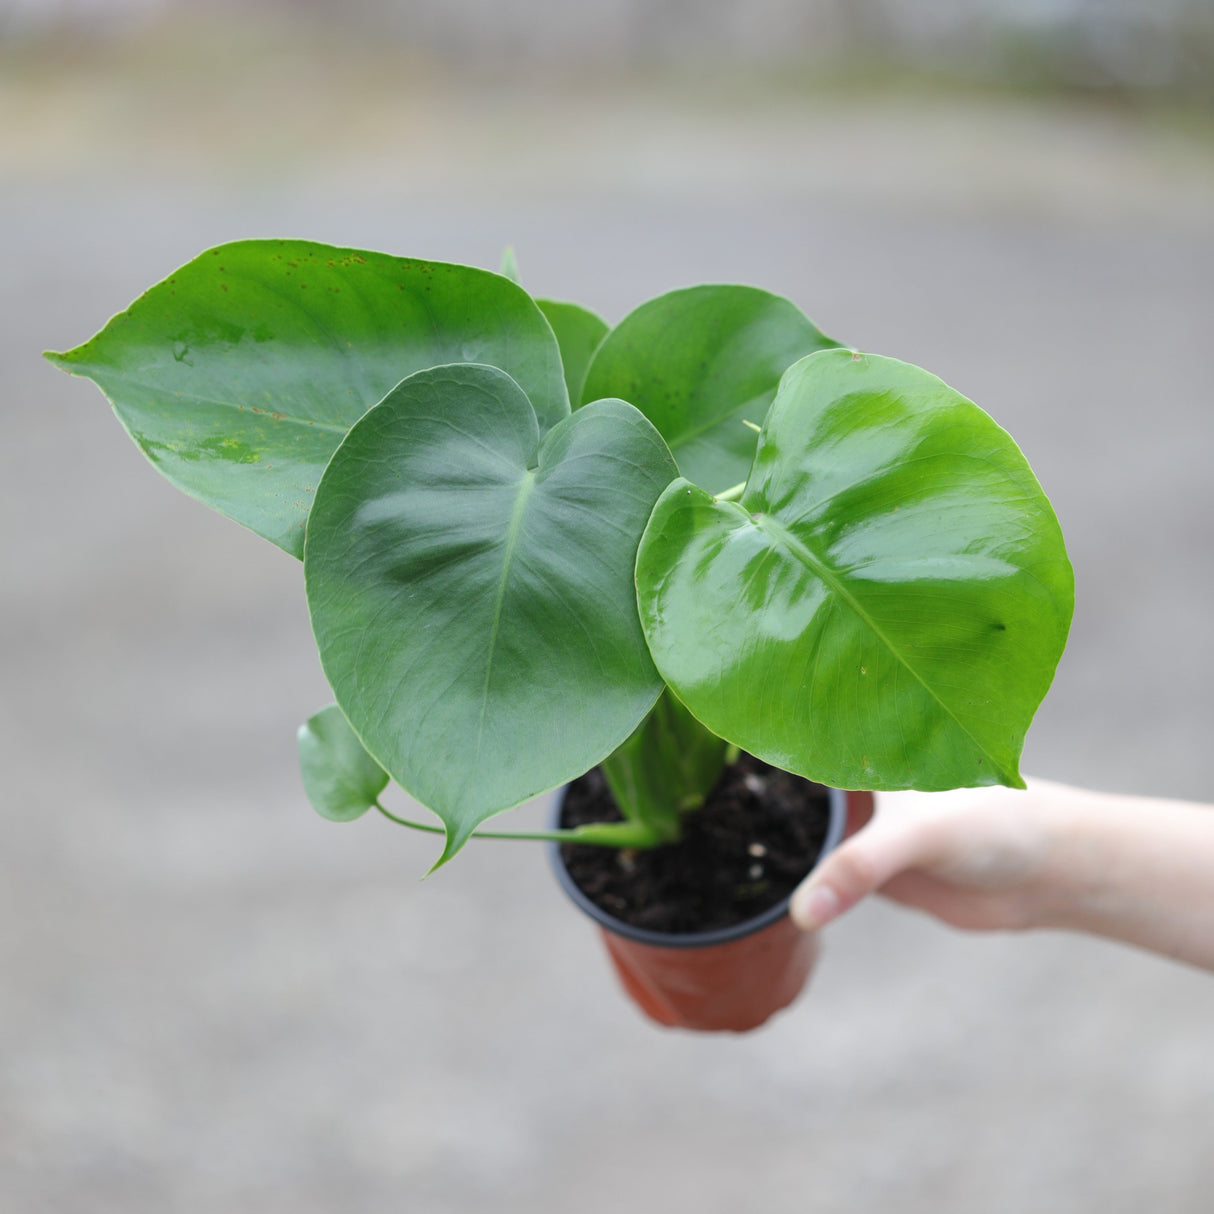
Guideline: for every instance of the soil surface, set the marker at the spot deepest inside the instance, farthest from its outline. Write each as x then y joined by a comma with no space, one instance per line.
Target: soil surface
745,849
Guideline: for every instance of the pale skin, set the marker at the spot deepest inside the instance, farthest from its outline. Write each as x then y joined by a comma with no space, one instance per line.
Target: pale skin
1135,869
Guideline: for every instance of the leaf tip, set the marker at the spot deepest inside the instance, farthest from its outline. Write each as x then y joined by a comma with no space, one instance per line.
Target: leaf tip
453,844
1008,776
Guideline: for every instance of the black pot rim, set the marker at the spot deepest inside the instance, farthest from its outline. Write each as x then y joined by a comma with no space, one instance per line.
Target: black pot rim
723,935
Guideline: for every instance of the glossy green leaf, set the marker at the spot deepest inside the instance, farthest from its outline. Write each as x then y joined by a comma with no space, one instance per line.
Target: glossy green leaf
885,606
668,766
698,362
578,333
342,781
241,372
471,588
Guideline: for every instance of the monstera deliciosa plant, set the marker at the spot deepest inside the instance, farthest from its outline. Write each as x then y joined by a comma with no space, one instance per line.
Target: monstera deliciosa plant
532,544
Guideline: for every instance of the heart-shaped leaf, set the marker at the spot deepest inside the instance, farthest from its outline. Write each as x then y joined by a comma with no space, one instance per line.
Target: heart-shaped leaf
342,781
885,606
471,588
242,371
578,333
698,362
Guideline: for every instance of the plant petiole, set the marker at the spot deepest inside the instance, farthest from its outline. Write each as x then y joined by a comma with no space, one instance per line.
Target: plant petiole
600,834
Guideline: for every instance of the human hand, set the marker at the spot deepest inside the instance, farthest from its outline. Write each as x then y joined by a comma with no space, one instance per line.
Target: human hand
1135,869
975,857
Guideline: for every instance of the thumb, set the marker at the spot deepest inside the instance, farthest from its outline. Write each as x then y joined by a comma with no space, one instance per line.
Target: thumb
855,869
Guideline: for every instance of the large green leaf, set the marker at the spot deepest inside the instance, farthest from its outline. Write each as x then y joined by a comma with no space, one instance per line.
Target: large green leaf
241,372
342,781
471,588
578,333
885,606
698,362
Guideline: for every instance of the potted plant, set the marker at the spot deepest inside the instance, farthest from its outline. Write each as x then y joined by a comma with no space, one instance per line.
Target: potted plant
706,552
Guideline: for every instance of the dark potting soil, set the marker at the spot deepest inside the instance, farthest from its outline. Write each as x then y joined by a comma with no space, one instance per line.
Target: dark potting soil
745,849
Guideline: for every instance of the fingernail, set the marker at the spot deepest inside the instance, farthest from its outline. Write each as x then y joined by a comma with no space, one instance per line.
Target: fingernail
816,908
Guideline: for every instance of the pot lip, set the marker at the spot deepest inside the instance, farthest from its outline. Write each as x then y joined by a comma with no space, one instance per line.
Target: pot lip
722,935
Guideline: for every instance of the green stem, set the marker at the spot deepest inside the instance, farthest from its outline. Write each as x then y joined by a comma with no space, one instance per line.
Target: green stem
599,834
730,495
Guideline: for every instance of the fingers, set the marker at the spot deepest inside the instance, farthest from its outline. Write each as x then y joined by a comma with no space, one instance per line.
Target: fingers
857,868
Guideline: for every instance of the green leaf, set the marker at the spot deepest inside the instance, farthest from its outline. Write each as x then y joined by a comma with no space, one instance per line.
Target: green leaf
578,333
241,372
885,606
471,588
509,265
342,781
668,766
698,363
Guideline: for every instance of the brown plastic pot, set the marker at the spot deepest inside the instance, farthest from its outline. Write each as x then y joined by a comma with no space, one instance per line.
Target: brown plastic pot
733,979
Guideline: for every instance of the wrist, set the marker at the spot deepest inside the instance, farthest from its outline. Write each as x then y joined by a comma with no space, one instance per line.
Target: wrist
1132,869
1077,889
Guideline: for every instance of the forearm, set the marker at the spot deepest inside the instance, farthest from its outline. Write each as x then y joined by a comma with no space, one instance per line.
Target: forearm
1134,869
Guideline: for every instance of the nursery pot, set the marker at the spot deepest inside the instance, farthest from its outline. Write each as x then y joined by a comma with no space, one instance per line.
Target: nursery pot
733,978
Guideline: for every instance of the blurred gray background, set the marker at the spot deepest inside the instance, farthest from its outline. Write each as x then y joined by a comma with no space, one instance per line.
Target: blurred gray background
210,999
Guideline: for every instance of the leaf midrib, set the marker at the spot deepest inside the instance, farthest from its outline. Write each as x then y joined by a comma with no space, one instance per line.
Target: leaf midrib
256,411
526,485
776,529
690,434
